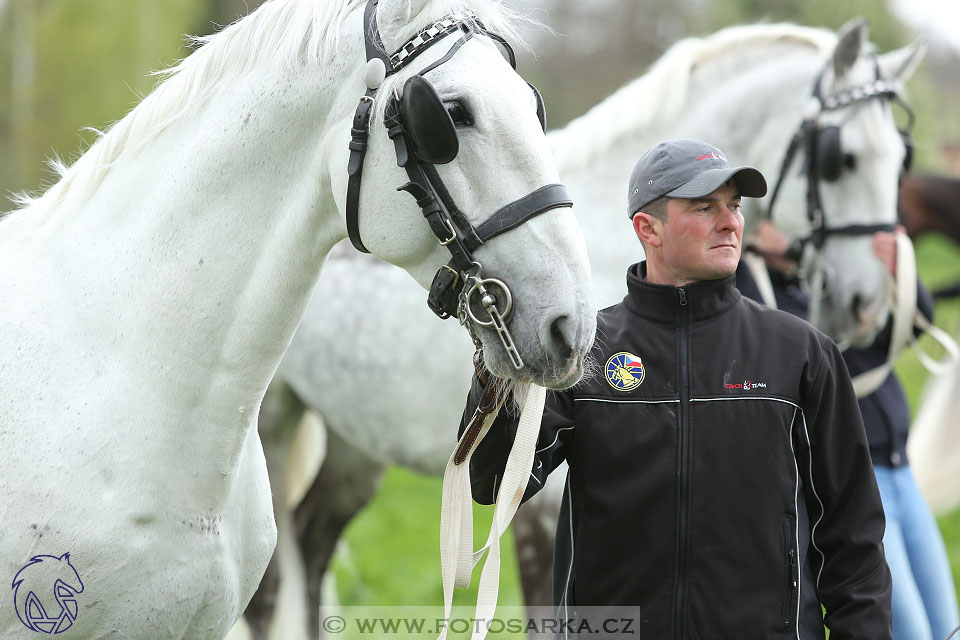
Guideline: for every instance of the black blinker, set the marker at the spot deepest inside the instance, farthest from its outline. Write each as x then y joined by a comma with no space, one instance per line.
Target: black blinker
432,132
908,151
829,154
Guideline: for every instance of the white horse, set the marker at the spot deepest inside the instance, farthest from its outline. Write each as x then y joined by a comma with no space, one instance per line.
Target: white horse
934,442
744,89
147,297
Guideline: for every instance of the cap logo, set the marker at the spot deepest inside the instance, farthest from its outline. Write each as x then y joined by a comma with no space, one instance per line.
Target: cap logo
707,156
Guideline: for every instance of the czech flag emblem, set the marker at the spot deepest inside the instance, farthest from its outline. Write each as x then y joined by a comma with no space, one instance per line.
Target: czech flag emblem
624,371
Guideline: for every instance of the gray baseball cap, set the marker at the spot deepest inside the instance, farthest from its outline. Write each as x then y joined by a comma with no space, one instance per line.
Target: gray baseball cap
687,169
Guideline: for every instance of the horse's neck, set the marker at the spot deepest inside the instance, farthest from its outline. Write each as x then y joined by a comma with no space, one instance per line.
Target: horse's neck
190,266
750,116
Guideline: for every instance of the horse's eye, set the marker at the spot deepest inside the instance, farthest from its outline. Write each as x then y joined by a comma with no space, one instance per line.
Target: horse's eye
850,161
459,114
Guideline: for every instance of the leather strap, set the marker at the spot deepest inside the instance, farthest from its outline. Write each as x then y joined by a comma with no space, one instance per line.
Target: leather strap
371,36
444,292
859,229
486,406
358,147
519,211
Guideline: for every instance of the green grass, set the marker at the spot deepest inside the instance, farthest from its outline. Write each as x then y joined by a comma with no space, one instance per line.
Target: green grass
391,551
390,554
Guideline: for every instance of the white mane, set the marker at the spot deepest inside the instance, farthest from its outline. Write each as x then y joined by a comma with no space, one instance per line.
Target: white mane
283,33
658,94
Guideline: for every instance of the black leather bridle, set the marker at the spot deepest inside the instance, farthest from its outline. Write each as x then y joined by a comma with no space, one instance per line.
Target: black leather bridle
824,156
424,135
824,161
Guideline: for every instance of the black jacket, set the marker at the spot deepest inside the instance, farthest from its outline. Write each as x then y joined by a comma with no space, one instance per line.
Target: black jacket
886,414
721,487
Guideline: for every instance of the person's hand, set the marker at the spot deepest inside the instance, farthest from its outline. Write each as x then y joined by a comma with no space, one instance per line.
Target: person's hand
770,240
885,247
773,246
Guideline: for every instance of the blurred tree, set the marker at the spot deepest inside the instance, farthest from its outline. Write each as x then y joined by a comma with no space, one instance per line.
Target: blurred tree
603,44
220,13
599,46
885,30
72,64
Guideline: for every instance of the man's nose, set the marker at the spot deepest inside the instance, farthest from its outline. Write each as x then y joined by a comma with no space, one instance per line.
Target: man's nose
729,219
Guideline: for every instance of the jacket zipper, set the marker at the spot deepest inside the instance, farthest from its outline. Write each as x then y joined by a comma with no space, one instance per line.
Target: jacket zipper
678,626
790,588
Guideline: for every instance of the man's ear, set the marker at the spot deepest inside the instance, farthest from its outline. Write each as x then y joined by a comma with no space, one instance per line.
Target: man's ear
647,228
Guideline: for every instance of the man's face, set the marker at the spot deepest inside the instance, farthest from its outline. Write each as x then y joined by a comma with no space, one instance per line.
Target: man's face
702,237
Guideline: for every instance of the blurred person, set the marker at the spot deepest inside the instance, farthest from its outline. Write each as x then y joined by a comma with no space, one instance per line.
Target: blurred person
720,483
924,597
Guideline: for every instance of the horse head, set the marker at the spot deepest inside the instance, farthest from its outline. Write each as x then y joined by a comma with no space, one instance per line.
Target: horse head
854,155
468,135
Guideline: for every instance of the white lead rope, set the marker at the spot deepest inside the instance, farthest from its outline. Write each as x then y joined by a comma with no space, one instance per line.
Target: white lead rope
456,515
905,318
904,311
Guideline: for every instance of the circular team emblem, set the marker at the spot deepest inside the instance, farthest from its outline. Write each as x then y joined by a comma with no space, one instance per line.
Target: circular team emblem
624,371
45,594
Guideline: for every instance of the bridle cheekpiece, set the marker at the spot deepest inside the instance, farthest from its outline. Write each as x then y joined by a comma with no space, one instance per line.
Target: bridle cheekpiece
424,135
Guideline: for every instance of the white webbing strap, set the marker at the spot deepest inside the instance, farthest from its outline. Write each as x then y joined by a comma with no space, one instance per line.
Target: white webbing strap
904,312
758,269
456,515
906,317
936,367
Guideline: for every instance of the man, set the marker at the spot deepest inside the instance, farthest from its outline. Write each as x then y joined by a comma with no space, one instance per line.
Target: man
923,599
720,483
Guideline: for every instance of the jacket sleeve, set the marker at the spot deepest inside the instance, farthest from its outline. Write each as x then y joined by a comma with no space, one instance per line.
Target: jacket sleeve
846,515
490,456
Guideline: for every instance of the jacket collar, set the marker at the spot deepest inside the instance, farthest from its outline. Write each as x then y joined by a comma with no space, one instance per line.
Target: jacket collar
661,302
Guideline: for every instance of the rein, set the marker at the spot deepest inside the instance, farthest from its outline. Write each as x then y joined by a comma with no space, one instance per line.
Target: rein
424,135
906,317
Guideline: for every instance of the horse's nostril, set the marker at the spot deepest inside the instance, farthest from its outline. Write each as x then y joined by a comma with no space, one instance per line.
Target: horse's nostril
856,305
561,336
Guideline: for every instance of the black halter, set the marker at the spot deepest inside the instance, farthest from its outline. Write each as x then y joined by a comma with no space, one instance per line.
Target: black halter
424,135
825,160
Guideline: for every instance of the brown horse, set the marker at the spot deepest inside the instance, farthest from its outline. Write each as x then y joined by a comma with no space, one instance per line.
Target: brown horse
930,203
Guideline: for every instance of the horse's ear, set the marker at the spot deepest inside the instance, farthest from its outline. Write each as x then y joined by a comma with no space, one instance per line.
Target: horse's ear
851,42
393,15
901,63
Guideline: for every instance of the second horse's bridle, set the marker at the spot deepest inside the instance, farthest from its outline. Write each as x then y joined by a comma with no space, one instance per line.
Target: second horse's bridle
824,162
424,135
